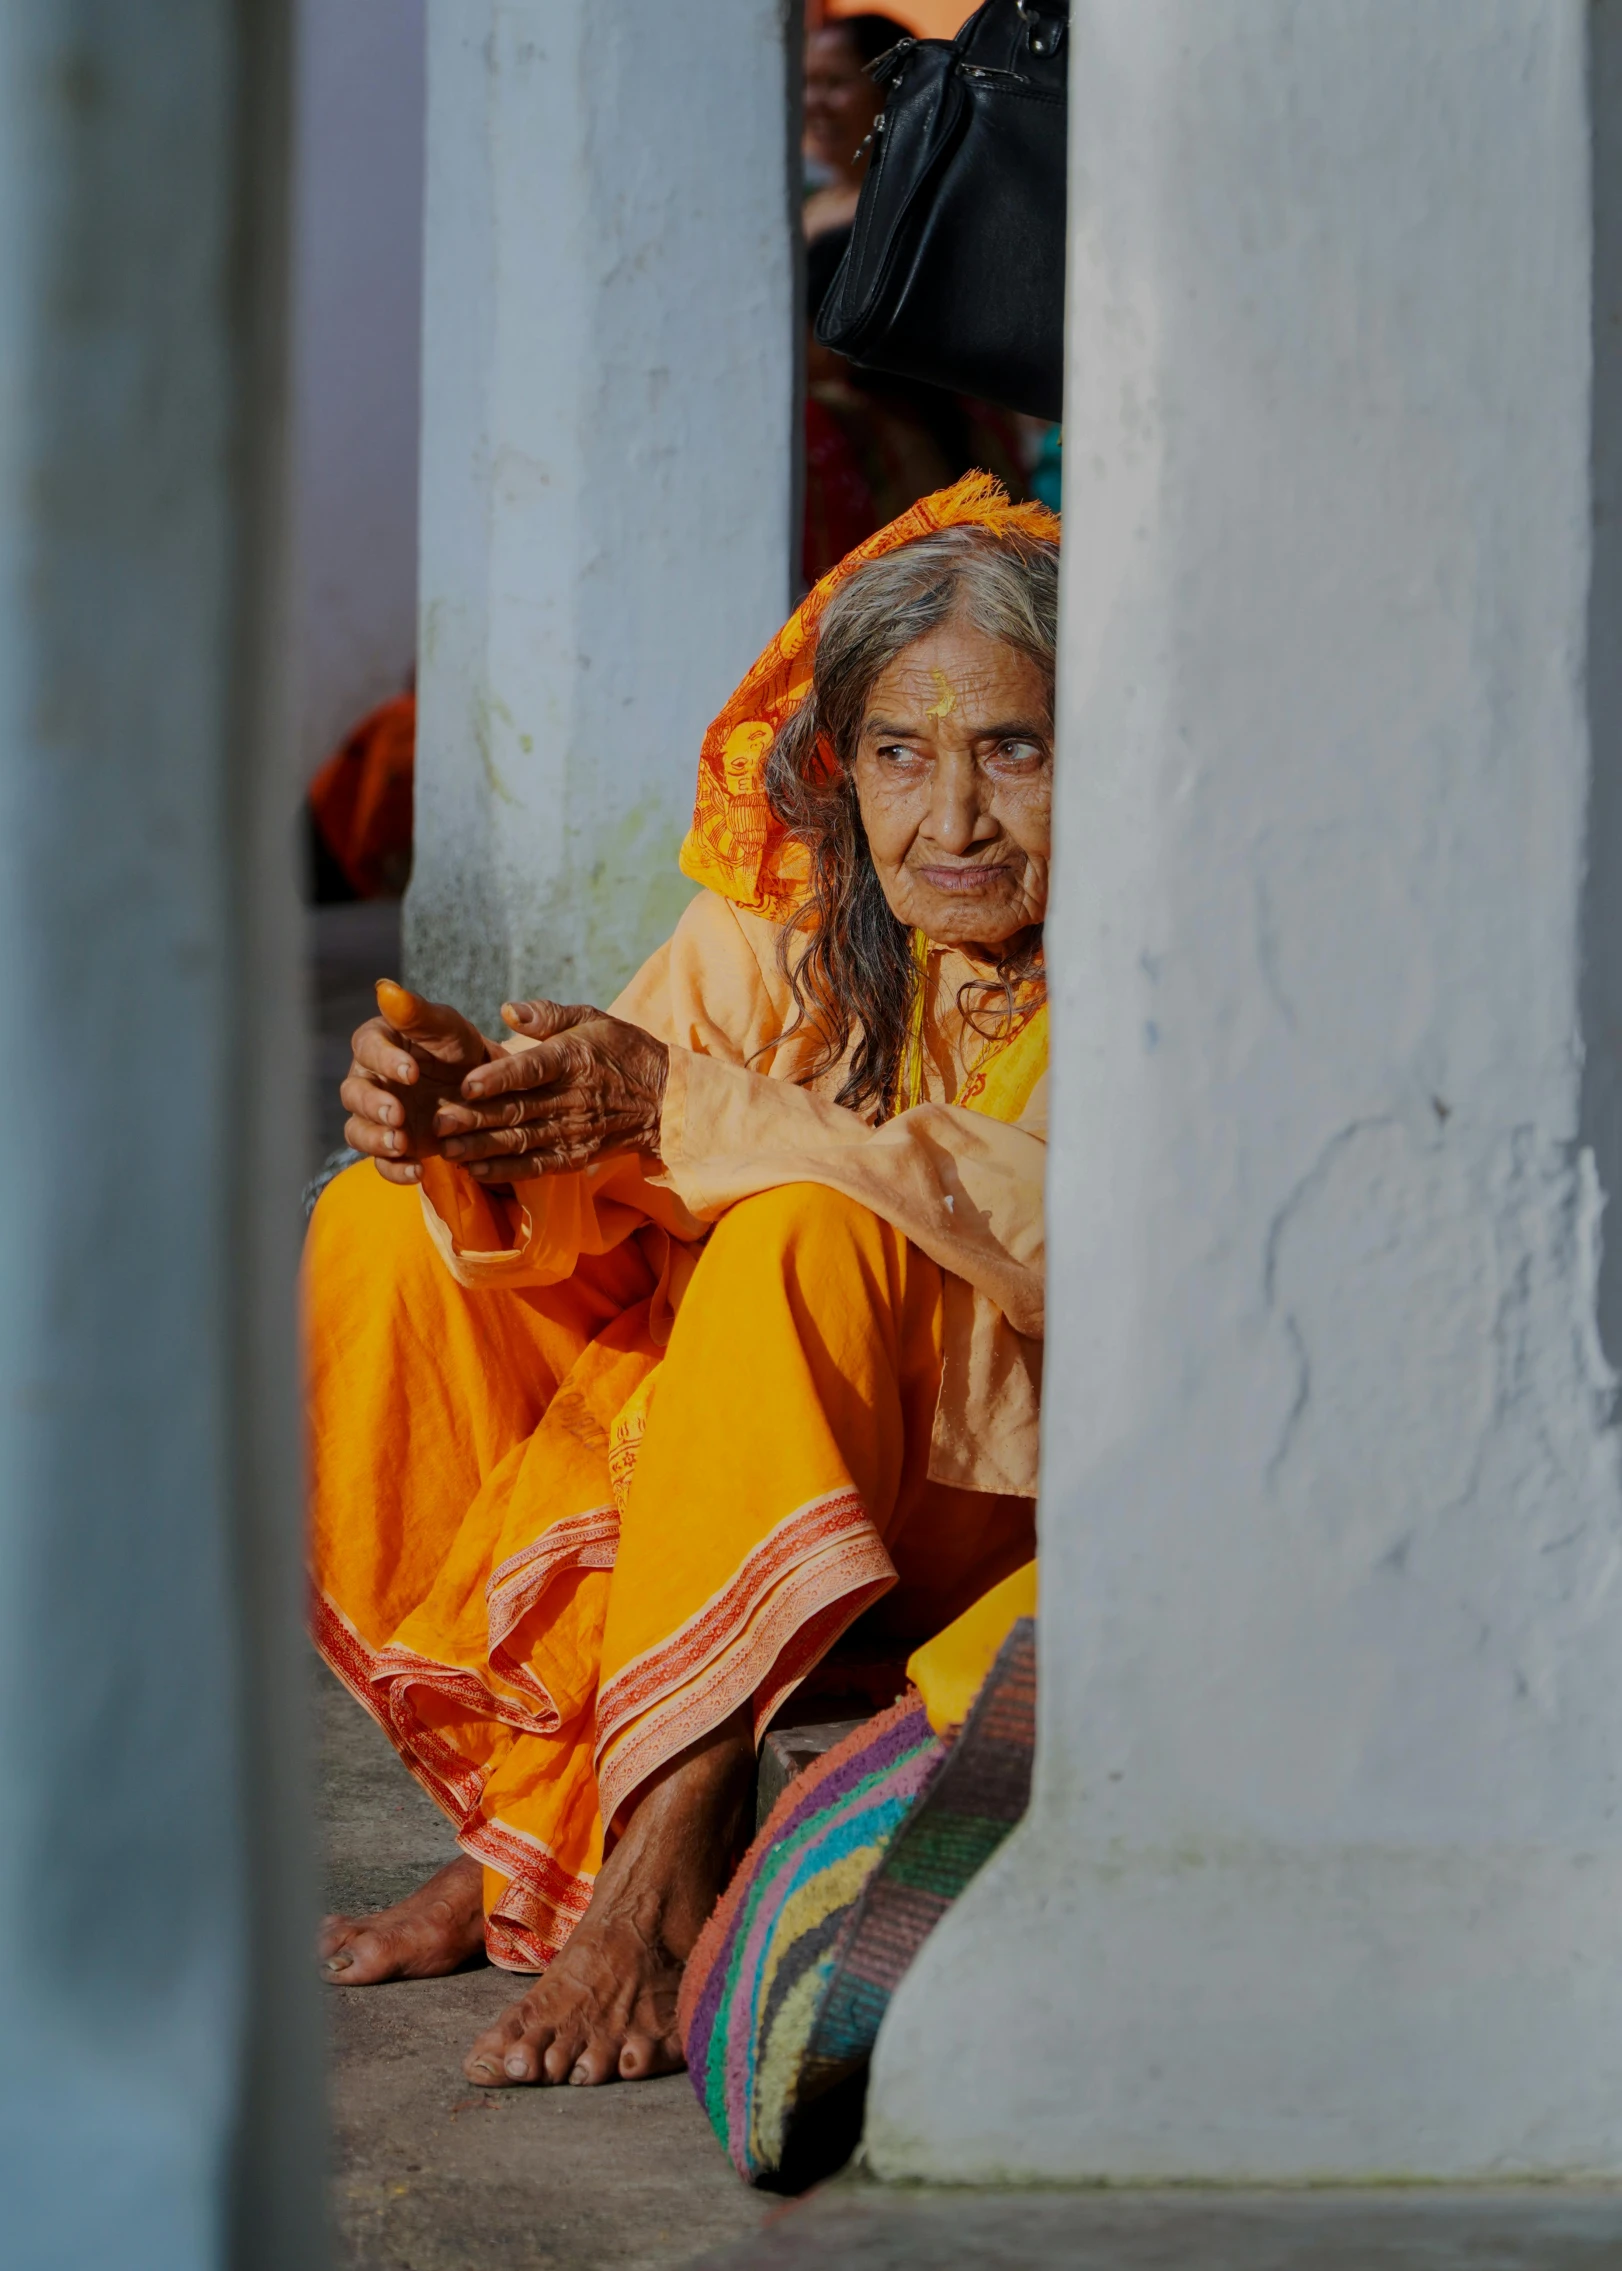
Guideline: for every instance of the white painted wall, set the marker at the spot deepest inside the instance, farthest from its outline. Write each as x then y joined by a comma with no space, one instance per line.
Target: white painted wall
160,2102
607,469
1324,1872
357,334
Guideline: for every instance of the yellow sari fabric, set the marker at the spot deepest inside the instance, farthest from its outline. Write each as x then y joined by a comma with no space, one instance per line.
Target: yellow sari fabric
547,1555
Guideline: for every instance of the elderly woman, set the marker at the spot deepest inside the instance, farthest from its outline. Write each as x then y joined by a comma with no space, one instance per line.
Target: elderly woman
713,1321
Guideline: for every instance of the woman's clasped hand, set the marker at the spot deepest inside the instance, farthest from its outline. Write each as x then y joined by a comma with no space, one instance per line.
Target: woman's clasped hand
574,1085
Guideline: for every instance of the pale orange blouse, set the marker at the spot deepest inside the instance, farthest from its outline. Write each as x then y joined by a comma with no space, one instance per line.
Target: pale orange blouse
962,1185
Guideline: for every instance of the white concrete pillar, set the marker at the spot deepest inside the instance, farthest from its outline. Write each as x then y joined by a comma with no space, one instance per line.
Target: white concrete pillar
160,2101
607,403
1324,1872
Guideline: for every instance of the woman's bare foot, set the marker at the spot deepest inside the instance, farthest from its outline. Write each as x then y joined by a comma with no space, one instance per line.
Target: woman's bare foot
433,1932
606,2007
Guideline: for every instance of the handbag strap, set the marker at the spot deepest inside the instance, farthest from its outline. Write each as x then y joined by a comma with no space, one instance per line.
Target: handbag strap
1009,36
1044,30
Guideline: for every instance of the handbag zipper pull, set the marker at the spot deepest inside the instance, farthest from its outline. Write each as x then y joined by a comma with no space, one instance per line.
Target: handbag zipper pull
883,67
867,141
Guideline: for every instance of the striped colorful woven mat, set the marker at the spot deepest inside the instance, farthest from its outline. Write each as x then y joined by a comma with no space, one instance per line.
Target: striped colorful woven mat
860,1858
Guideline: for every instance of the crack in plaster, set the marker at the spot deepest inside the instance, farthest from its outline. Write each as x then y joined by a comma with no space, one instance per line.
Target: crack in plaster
1283,1216
1267,950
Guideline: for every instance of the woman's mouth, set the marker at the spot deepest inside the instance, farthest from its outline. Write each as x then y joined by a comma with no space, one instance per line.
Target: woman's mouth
962,878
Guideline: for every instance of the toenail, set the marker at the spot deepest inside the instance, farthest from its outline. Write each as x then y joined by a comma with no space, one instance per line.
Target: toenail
340,1962
517,2068
581,2074
484,2066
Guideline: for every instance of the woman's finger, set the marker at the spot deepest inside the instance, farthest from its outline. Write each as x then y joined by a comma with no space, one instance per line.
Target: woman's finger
490,1143
502,1171
539,1020
375,1142
567,1140
523,1167
433,1027
398,1170
525,1110
378,1049
527,1068
367,1101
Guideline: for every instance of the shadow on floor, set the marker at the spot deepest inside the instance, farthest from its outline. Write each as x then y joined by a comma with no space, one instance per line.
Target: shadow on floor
856,2226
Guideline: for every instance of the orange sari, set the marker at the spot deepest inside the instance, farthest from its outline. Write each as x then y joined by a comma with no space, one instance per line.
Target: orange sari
596,1465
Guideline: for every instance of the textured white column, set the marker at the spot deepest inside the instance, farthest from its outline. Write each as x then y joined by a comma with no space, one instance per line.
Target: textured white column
1324,1872
607,401
160,2102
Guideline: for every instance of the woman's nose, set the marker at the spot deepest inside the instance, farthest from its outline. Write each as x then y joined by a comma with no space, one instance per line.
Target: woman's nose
955,820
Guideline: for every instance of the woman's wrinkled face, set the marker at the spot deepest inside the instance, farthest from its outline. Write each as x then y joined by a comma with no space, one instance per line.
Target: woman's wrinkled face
954,777
841,101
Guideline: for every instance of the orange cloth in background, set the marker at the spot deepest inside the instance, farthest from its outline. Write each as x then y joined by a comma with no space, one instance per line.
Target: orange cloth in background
548,1553
929,19
362,800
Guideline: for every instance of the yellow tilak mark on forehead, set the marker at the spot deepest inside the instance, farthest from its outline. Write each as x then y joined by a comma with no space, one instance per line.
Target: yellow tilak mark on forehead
948,700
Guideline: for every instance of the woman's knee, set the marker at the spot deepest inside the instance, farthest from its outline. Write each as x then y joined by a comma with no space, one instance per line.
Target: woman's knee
795,1215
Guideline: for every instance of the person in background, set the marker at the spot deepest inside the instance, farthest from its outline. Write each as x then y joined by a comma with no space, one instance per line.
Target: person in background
874,443
841,103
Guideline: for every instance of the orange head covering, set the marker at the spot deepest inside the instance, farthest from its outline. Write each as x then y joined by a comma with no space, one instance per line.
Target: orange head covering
737,845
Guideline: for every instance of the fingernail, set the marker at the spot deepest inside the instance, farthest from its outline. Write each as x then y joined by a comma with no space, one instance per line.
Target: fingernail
339,1962
517,2068
402,1069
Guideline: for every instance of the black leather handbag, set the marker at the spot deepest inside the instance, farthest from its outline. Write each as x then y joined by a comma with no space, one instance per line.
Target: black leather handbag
955,271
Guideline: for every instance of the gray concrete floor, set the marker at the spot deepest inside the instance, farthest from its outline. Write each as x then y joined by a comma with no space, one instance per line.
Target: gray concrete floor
434,2176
